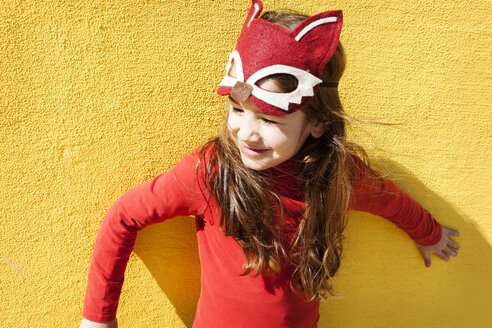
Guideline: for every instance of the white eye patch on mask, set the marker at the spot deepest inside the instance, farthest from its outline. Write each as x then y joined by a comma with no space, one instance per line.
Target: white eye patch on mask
305,85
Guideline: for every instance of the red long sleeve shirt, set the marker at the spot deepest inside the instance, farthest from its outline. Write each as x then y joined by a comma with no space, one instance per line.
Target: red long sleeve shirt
227,299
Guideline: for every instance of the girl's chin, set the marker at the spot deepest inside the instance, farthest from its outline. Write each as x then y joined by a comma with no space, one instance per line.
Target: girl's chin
257,163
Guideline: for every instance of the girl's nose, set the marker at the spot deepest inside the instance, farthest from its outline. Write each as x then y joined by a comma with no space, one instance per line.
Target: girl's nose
248,130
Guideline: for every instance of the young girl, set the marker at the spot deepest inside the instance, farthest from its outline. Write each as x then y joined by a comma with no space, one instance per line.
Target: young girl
271,194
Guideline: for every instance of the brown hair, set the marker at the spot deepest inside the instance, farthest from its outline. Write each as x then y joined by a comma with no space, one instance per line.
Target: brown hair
325,167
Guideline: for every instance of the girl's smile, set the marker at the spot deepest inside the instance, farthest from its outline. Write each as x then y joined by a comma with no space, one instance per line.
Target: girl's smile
253,151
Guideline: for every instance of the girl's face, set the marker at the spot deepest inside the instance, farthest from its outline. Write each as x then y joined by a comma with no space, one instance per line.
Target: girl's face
263,140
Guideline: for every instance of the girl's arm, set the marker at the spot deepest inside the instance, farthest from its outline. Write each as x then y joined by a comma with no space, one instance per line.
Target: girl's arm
380,196
168,195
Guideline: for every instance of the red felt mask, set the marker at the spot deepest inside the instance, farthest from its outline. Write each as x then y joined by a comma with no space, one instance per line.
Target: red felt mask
264,48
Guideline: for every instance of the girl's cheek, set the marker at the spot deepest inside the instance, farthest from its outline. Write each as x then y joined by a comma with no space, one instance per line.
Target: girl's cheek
277,139
232,122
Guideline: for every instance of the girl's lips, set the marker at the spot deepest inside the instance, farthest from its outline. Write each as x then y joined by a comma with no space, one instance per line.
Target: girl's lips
252,151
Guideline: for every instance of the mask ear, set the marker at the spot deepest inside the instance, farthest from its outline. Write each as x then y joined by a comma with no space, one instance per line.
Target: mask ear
318,130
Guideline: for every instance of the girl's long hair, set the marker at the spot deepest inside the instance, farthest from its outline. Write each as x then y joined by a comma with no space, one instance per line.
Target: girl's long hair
250,208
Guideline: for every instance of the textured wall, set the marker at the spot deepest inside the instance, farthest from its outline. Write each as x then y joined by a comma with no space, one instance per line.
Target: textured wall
98,96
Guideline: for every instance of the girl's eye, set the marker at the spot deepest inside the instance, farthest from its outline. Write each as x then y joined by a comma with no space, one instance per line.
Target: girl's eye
240,110
269,121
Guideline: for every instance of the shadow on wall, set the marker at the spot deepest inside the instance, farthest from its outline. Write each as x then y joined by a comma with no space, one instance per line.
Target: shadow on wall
169,251
388,284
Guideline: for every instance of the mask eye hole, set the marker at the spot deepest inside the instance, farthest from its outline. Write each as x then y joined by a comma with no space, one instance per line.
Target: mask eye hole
278,83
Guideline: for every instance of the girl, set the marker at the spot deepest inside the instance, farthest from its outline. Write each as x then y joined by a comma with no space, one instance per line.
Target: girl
271,194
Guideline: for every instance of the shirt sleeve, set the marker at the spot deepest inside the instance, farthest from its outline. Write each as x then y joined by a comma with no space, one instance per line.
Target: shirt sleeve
168,195
380,196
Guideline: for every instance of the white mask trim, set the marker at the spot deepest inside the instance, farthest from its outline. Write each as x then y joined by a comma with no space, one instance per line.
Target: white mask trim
306,82
230,81
257,8
314,24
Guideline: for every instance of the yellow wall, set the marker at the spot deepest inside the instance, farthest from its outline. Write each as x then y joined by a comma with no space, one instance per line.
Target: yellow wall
98,96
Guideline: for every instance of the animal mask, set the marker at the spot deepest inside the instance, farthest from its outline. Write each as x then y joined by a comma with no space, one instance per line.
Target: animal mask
264,48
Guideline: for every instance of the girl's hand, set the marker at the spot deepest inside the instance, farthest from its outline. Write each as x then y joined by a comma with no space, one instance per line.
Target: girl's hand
444,248
91,324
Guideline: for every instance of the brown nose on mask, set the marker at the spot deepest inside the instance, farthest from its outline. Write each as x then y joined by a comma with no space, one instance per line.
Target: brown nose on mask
241,91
